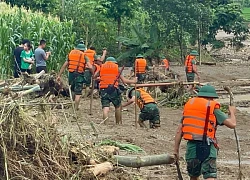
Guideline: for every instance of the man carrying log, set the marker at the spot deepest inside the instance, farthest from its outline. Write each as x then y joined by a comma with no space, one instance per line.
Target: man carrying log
201,116
139,69
76,63
190,66
147,105
164,64
109,91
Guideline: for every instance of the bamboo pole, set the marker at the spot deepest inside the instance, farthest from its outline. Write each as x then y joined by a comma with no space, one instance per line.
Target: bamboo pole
165,84
137,162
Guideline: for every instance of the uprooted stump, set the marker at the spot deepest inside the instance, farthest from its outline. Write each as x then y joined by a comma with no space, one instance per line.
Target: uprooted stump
156,74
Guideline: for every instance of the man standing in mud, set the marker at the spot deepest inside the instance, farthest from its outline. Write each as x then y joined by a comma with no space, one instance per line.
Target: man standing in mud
109,90
76,63
190,66
139,69
147,105
201,116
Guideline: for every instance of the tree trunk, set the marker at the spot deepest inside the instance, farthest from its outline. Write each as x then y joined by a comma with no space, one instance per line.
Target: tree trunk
119,24
180,39
137,162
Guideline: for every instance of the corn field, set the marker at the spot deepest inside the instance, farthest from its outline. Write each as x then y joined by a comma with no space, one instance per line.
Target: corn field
18,23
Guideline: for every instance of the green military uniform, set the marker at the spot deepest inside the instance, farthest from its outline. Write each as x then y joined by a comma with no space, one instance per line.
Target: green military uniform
77,80
87,76
208,167
190,76
149,112
115,97
140,76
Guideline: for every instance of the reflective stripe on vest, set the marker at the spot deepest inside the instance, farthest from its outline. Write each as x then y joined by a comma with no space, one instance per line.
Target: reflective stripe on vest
188,64
145,98
166,63
91,55
194,117
140,65
76,61
108,74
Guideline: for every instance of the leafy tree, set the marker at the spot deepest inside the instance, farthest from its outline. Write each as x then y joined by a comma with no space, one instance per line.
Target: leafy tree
118,9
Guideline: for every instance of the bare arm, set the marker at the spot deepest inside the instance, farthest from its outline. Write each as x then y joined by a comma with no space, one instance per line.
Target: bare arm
28,61
90,67
104,52
64,66
231,122
177,140
127,81
130,101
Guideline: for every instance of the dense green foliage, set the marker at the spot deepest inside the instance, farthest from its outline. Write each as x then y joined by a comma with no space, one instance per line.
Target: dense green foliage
151,27
17,24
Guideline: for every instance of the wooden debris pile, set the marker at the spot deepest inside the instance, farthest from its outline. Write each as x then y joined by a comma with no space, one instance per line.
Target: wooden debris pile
157,74
44,84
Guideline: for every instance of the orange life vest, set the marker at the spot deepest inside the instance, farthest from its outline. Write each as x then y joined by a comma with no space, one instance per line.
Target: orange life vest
91,55
166,63
108,74
97,68
145,98
76,61
188,64
140,65
194,115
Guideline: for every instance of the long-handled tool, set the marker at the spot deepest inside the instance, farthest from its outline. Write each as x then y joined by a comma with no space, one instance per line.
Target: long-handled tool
235,133
91,96
178,169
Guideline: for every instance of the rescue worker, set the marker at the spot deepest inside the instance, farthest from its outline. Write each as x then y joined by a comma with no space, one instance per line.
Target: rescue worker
109,91
165,64
147,105
90,53
76,63
140,68
201,116
97,66
190,66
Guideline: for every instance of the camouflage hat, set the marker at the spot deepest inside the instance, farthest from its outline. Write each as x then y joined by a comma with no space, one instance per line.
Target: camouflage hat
207,91
194,53
81,47
139,56
111,59
128,93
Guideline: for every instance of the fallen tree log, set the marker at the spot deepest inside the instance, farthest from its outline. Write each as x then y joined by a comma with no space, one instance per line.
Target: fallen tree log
165,84
137,162
208,63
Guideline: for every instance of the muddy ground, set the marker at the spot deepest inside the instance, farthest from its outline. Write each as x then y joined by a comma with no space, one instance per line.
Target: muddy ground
162,140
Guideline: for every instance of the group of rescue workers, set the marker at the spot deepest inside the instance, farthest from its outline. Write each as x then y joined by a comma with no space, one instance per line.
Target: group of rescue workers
201,114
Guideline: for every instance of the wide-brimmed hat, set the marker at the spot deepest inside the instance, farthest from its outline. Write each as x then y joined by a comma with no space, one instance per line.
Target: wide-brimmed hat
207,91
163,57
139,56
81,47
194,53
111,59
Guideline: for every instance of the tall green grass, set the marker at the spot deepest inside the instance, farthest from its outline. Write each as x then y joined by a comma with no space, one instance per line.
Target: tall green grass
17,24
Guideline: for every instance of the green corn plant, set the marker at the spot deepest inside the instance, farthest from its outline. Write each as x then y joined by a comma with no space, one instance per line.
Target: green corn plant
18,23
